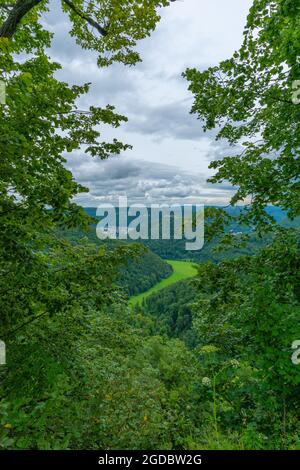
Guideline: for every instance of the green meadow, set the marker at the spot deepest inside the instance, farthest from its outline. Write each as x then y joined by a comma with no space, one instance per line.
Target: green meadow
181,270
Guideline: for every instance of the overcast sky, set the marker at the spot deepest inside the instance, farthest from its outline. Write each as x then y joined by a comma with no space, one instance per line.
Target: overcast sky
170,156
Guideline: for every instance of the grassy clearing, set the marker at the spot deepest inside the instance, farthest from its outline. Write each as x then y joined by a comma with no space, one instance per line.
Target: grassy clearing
181,270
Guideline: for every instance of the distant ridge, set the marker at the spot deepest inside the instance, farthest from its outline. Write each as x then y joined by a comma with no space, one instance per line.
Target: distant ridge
279,214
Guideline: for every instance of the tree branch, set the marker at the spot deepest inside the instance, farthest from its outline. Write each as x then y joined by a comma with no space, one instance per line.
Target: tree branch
20,9
10,332
87,18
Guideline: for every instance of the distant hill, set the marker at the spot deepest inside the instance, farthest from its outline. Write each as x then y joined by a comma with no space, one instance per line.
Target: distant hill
137,275
279,214
141,274
175,249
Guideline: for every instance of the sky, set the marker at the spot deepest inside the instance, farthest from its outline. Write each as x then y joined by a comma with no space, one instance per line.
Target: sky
171,154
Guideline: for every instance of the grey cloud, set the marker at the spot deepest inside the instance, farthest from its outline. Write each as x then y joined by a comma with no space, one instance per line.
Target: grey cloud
155,98
168,120
142,181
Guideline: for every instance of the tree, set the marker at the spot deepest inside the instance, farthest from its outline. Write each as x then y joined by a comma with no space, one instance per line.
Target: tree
110,27
68,360
40,124
247,310
252,100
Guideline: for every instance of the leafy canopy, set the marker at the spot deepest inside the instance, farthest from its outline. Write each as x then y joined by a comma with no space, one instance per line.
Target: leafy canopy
40,125
251,100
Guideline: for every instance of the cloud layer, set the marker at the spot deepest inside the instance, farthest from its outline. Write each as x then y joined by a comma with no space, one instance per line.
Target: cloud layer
171,153
142,181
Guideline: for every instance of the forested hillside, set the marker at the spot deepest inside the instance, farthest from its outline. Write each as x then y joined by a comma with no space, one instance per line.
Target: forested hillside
139,275
176,249
171,311
239,319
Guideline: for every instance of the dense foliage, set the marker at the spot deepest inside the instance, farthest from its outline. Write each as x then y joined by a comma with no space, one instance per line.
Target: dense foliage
247,313
252,101
240,319
140,274
171,312
90,380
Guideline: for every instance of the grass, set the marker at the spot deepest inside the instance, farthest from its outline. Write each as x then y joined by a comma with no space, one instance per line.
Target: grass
181,270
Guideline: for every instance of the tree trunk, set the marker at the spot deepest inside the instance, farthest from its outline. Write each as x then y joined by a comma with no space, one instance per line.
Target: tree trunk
20,9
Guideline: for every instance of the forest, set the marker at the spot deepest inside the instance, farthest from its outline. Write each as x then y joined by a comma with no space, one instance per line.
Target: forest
207,362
